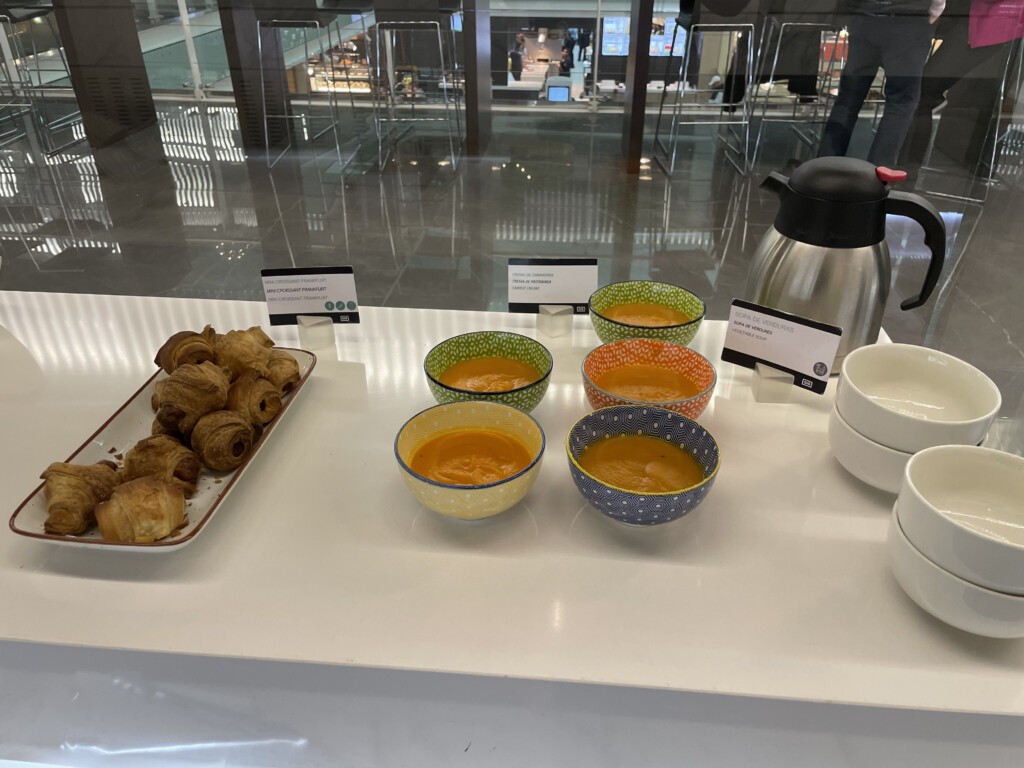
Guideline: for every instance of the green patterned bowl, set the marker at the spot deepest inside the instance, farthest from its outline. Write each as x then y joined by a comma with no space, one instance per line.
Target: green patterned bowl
648,292
469,502
489,344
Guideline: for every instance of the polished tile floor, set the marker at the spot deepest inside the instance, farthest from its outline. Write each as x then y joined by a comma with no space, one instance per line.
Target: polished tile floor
180,211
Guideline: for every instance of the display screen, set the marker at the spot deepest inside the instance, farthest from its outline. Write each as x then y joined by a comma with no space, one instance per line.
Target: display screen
615,37
558,93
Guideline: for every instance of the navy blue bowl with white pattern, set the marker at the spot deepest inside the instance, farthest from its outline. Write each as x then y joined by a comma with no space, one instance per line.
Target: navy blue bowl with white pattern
629,506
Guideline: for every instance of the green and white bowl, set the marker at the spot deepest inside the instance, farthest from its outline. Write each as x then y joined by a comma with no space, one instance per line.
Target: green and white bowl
469,346
646,292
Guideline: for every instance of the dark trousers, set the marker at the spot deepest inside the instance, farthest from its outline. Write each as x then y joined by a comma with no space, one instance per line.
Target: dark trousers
954,60
900,46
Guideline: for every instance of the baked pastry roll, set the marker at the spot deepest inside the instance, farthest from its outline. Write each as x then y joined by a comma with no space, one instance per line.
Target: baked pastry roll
223,439
186,347
163,457
284,370
142,511
254,396
72,492
189,393
241,350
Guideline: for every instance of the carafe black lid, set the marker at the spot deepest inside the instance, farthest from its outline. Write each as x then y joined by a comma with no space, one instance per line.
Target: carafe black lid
841,179
834,202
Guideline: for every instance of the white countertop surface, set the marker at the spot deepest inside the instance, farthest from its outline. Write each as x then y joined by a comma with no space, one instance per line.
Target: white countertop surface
777,586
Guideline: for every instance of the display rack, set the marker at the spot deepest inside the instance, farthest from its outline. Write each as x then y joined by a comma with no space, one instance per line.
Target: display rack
734,119
408,89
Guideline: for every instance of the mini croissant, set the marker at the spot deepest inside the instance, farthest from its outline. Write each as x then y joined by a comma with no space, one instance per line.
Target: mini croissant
163,457
254,396
141,511
284,370
223,439
241,350
186,347
72,492
189,393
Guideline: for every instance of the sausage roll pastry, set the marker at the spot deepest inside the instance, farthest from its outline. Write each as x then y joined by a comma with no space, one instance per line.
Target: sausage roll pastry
190,392
186,347
223,439
72,492
255,397
163,457
241,350
284,370
142,511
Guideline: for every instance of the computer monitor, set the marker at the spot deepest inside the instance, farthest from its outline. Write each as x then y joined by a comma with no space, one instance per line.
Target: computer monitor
615,37
558,93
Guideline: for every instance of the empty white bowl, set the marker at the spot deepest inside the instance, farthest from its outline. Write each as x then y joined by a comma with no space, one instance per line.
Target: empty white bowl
868,461
909,398
947,597
963,507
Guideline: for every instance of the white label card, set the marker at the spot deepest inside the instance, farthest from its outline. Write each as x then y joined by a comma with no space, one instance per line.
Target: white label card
802,347
536,281
322,291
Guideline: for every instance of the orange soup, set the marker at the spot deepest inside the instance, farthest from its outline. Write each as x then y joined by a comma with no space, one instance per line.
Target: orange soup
470,457
489,374
641,464
647,383
642,313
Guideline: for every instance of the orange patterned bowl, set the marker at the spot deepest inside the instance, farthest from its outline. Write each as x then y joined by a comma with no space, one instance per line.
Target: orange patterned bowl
672,358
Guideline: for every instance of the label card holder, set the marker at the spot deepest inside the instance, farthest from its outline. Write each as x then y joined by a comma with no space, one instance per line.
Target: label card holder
316,291
533,282
804,348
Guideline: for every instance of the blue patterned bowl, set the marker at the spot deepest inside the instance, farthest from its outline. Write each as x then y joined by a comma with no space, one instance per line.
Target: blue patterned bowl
629,506
647,292
489,344
469,502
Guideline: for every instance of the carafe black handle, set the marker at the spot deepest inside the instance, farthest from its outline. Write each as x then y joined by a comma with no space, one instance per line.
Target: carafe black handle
925,214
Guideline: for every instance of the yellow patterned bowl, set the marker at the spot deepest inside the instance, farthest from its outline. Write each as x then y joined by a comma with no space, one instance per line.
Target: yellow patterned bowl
469,502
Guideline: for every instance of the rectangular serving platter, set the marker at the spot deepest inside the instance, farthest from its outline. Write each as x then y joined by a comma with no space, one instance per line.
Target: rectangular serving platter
131,422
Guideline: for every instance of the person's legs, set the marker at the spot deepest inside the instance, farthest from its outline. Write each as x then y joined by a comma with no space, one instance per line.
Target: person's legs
940,72
954,60
863,59
906,43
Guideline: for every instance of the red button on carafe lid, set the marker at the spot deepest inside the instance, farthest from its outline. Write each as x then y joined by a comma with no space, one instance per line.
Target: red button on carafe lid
888,175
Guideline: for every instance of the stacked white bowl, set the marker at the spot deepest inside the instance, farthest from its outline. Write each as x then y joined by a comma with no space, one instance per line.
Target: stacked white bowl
893,400
956,538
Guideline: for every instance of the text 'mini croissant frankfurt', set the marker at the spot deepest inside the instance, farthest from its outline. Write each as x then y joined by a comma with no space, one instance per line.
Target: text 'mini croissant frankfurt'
72,492
241,350
186,347
254,396
223,439
163,457
188,393
141,511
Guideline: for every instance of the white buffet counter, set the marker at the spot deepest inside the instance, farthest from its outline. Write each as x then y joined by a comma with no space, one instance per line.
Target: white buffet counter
776,588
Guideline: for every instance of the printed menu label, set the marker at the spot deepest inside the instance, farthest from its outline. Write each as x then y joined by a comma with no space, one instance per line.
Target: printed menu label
804,348
536,281
322,291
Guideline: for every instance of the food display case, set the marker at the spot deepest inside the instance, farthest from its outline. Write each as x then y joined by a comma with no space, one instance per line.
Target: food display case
325,616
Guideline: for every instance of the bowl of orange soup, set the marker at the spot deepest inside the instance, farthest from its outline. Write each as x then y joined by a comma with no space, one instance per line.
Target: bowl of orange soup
495,366
650,371
470,460
644,309
641,465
